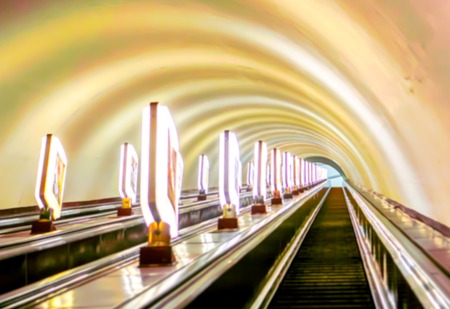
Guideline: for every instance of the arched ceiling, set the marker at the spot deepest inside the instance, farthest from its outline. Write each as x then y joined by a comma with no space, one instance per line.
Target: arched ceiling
363,84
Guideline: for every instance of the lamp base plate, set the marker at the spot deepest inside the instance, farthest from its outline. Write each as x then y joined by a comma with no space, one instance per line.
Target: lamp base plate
228,223
259,209
150,256
41,227
124,211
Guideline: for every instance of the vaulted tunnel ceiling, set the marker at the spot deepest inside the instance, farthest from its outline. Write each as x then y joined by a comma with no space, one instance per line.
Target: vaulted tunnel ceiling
363,84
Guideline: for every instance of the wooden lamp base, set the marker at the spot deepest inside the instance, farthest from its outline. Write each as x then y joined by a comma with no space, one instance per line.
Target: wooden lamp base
228,223
259,209
150,256
42,226
276,201
287,195
122,211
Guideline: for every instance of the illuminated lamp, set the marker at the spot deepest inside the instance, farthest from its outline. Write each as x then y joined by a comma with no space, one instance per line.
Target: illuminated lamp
239,177
128,178
259,178
203,177
315,173
286,174
316,179
307,175
250,173
229,164
296,175
301,189
161,177
275,176
50,183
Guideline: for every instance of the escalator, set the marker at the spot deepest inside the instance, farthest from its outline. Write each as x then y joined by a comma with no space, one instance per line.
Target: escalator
327,271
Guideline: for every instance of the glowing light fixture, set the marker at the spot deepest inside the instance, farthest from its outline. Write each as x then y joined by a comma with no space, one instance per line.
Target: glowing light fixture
307,173
229,164
286,175
304,171
161,172
239,177
296,175
250,175
275,176
275,171
268,175
203,174
314,174
51,177
128,174
286,172
259,176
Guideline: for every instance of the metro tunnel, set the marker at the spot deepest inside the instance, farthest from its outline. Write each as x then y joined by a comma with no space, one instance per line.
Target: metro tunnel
351,212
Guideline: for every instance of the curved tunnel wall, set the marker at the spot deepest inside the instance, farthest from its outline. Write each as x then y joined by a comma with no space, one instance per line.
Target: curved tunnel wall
362,83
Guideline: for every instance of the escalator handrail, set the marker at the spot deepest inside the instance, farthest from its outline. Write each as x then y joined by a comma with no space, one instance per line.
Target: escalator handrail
413,263
380,293
373,201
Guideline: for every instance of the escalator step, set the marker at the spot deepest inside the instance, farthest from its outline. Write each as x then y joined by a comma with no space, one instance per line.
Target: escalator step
327,271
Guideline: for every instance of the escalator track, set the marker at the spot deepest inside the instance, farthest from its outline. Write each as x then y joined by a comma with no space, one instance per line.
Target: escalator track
327,271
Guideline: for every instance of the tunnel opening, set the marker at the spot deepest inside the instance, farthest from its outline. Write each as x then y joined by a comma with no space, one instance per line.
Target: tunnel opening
336,175
335,179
